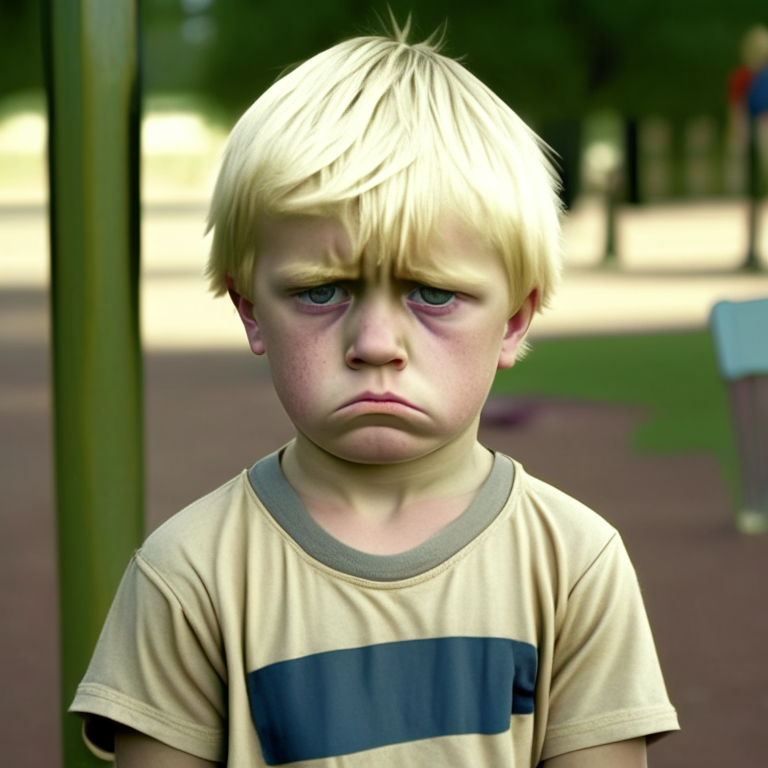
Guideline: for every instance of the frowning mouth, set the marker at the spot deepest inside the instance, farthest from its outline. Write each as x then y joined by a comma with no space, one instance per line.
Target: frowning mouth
382,402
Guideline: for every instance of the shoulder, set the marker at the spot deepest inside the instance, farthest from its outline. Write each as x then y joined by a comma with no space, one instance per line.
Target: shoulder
215,528
200,518
568,514
561,529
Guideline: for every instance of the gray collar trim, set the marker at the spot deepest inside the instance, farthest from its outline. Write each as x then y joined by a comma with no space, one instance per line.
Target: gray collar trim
268,481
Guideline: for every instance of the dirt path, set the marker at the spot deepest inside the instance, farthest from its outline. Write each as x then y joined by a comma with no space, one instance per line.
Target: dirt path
210,415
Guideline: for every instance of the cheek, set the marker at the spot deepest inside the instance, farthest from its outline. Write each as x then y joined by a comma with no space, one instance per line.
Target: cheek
467,365
297,363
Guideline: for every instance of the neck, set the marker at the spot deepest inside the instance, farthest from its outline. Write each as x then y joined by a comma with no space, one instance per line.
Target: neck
379,492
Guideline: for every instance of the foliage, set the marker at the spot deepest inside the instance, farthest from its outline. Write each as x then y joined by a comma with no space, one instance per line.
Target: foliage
549,59
21,66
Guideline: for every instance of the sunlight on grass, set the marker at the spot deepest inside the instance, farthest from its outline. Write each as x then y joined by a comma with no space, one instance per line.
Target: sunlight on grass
674,376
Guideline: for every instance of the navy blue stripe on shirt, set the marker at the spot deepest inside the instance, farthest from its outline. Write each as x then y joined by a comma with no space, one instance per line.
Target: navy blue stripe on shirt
339,702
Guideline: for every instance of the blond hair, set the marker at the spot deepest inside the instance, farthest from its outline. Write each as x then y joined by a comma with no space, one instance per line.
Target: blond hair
389,138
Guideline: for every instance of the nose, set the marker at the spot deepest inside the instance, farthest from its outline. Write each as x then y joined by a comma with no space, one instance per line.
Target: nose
376,336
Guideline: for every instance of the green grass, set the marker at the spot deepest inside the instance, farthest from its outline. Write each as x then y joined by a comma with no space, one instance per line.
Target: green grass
674,376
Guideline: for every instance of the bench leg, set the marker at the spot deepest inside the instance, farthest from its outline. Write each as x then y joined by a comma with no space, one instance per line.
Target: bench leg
749,403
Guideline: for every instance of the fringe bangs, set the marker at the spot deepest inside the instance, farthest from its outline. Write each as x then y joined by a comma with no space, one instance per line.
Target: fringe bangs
390,139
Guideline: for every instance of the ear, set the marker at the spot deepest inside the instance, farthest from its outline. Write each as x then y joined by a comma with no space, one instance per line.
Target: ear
245,310
517,328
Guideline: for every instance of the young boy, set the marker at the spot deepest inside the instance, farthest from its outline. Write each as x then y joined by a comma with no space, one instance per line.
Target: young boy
383,591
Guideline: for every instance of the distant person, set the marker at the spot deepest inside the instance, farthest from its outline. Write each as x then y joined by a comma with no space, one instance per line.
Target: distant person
383,590
757,106
754,57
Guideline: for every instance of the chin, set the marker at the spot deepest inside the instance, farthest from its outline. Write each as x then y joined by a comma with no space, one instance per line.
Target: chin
380,445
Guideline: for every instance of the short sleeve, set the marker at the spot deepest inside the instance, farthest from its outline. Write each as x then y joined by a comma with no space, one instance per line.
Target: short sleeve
157,668
606,681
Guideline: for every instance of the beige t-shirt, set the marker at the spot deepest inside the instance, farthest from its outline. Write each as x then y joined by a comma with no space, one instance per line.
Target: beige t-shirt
244,633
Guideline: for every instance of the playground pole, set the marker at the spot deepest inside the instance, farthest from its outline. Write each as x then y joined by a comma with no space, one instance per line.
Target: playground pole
91,68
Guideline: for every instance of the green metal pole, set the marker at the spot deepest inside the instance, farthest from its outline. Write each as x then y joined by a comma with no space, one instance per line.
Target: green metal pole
91,64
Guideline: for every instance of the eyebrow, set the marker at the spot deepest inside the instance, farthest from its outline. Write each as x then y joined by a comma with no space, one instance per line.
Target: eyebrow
459,279
298,275
313,274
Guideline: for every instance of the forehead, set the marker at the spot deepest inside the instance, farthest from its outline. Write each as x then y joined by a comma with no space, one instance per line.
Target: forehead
304,249
303,240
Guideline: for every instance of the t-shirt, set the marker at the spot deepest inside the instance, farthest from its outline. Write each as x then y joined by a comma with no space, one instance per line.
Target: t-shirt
242,632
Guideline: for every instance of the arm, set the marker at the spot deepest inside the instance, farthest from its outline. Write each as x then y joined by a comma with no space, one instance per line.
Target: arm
135,750
622,754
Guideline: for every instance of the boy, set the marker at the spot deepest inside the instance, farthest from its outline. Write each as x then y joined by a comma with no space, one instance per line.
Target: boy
383,591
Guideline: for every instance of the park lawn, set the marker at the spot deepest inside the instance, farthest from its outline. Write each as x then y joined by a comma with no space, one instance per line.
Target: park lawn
674,376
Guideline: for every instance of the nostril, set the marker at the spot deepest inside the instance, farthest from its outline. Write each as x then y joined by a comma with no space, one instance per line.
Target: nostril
398,361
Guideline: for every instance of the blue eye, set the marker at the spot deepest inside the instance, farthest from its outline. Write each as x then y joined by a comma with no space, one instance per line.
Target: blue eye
323,294
434,297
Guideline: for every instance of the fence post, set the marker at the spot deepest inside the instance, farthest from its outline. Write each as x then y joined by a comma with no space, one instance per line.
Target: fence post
91,59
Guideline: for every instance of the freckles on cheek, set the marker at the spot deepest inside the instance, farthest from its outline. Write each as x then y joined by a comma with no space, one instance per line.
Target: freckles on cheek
297,371
470,364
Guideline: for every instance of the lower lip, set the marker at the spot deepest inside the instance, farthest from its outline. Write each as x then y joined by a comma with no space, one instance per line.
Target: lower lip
379,406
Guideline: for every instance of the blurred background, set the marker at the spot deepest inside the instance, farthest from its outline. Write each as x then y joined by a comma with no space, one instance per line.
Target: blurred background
635,98
620,402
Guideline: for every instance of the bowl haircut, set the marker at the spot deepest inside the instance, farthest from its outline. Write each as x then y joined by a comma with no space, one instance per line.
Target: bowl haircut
390,139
